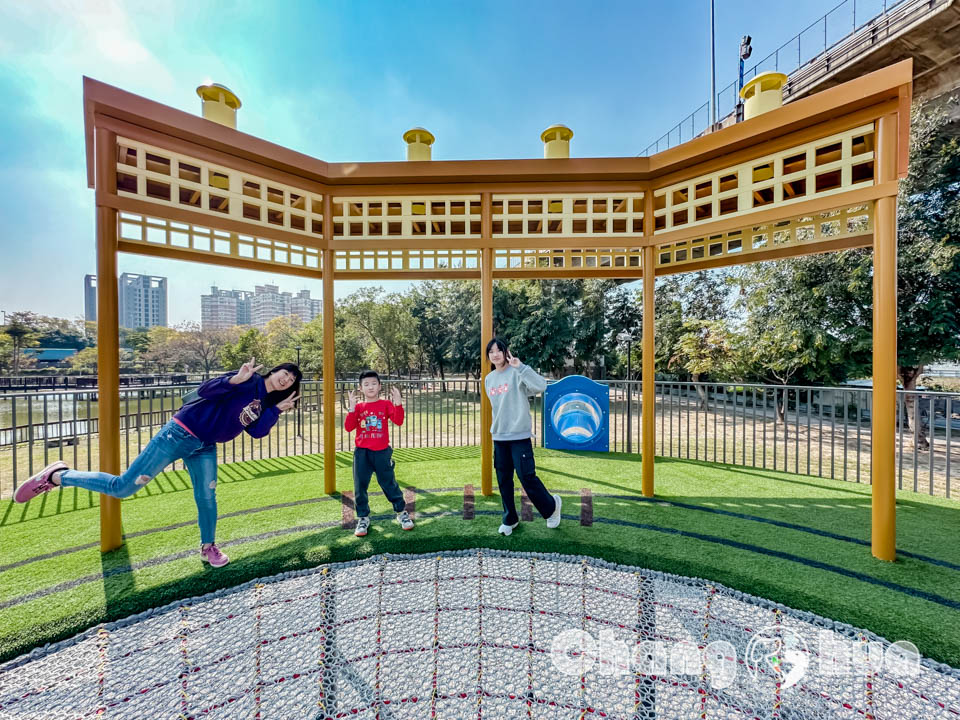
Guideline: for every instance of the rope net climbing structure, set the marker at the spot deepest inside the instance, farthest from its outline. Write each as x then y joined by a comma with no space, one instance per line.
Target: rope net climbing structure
476,634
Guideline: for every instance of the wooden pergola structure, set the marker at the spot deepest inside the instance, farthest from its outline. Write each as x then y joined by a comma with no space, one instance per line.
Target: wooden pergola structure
817,175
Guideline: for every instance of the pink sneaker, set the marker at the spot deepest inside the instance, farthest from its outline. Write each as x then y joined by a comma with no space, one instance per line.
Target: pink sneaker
211,554
39,483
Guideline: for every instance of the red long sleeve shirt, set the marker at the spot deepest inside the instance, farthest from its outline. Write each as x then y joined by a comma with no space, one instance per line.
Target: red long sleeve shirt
369,419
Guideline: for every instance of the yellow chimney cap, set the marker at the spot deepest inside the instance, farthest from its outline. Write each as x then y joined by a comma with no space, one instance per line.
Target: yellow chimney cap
213,91
763,82
425,136
562,133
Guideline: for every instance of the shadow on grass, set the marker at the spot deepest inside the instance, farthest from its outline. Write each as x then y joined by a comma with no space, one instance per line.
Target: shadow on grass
176,481
444,532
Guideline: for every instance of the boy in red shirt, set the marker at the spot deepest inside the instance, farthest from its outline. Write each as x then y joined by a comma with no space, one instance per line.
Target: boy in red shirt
373,453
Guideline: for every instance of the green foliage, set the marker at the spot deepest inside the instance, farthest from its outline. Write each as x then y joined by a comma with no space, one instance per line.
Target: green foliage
251,344
85,361
386,324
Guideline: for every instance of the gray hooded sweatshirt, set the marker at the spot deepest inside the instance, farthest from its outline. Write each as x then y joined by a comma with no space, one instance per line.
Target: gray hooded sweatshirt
508,390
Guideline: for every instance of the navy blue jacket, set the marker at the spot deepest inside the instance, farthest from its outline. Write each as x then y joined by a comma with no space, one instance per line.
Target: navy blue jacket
224,410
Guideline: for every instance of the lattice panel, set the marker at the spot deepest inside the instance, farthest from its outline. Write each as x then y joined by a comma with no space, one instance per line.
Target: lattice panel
590,215
168,178
447,216
407,260
805,230
524,259
827,166
152,231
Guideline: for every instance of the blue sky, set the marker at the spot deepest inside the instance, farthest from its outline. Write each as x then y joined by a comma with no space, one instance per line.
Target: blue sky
340,81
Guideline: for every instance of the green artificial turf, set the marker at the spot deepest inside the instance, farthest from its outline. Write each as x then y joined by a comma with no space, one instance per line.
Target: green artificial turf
706,521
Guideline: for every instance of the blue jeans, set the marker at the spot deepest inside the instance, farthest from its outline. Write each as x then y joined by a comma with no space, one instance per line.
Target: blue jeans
171,443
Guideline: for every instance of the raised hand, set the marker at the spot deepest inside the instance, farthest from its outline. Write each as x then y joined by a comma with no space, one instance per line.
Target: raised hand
513,360
351,401
288,402
245,372
395,396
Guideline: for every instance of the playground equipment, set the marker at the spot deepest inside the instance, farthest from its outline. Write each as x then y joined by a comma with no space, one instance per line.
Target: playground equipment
576,415
476,634
817,175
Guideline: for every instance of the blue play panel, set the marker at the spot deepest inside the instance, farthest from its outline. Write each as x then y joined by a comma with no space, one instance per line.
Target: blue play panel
576,415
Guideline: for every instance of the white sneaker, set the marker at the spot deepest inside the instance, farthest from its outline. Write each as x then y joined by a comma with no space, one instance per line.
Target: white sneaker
554,519
403,517
507,529
363,525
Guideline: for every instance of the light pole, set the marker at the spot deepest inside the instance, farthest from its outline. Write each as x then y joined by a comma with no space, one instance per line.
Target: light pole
713,74
745,51
627,339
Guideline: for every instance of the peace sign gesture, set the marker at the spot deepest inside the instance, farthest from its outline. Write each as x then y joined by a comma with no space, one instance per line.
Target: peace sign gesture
513,360
245,372
395,396
287,403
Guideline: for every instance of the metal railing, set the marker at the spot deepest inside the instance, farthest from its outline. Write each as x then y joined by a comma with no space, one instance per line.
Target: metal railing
816,431
24,383
844,33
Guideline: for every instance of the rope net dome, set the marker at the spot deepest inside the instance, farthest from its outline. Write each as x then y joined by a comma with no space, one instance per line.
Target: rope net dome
476,634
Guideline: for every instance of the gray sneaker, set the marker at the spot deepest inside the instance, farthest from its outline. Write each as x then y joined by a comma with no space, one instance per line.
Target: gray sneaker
403,517
363,524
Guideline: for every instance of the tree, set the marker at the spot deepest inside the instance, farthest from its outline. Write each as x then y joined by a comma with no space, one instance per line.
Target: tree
6,352
281,336
535,319
85,361
21,328
432,323
198,348
163,348
250,344
311,341
464,347
387,324
591,329
705,347
703,296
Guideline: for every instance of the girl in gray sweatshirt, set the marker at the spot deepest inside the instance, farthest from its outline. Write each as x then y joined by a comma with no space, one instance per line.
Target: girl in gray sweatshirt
508,388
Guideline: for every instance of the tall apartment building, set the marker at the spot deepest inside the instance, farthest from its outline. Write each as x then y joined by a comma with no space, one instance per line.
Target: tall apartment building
90,298
303,305
223,309
142,300
267,303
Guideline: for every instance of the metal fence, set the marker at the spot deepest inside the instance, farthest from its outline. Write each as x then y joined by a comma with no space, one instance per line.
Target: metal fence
846,32
816,431
25,383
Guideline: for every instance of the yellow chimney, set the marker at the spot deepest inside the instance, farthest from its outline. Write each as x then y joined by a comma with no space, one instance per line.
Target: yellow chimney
418,143
556,141
762,94
219,104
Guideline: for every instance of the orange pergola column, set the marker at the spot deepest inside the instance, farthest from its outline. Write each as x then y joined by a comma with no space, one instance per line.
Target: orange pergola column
108,339
329,379
486,332
648,388
883,508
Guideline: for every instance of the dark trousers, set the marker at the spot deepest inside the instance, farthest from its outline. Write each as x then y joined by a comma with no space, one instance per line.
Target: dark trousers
365,463
517,455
